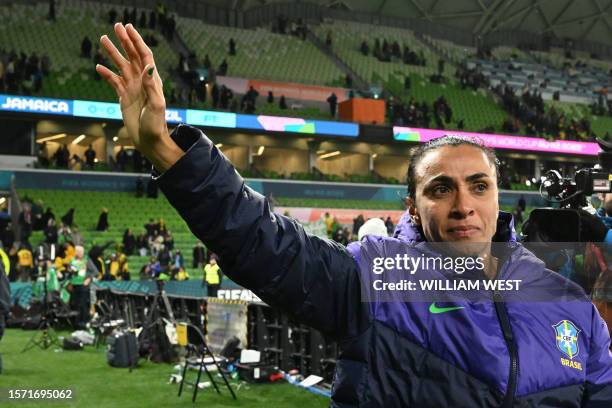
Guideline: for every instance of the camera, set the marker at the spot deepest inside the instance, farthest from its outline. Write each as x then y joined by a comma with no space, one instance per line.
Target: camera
563,224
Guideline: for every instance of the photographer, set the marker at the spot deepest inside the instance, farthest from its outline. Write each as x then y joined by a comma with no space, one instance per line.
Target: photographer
391,353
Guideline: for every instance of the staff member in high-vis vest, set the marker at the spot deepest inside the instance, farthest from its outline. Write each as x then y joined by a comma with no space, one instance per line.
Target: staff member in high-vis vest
82,276
212,276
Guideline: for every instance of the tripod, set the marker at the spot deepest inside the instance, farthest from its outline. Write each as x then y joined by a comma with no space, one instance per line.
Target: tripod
45,336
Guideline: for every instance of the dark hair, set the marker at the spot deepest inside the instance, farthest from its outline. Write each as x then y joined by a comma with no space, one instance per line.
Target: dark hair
417,153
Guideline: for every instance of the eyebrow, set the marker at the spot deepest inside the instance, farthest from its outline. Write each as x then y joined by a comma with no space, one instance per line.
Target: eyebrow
449,180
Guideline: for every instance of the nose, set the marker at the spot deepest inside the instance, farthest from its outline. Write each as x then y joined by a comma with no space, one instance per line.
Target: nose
462,204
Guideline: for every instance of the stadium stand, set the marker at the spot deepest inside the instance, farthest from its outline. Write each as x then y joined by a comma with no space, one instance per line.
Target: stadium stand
260,54
23,27
348,36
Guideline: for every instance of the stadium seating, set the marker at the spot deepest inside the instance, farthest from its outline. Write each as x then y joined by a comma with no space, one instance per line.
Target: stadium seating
452,52
23,27
260,53
127,211
348,36
477,108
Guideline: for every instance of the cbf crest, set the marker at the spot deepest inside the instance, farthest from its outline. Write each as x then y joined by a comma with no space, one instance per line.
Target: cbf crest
566,334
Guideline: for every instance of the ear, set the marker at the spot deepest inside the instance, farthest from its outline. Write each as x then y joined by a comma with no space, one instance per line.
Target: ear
413,211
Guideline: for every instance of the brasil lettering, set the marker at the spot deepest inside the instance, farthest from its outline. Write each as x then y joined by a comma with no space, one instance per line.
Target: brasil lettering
35,105
570,363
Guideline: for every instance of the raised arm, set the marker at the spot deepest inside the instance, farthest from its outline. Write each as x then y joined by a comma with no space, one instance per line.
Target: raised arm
315,280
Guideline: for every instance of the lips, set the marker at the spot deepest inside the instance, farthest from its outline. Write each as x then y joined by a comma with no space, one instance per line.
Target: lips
463,231
463,228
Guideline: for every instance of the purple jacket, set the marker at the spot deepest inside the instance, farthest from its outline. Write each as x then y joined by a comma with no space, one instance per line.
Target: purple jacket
398,352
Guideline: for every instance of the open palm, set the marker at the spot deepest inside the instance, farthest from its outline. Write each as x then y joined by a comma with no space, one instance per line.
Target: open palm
138,86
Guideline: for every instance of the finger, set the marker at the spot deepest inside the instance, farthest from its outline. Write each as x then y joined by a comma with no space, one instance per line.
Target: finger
155,94
146,55
113,79
114,54
129,48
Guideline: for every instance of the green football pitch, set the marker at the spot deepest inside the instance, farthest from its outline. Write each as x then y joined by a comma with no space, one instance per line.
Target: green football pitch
97,385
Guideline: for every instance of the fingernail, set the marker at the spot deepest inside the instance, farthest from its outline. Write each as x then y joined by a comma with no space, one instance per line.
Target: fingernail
150,72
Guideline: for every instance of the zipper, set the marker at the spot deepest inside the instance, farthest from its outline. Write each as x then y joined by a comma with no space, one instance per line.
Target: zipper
504,322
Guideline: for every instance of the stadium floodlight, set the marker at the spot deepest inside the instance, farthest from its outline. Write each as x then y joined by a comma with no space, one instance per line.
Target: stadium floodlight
331,154
49,138
260,150
78,139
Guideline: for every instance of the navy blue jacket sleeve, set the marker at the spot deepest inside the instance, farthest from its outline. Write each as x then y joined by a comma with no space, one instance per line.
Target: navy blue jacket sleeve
598,392
313,279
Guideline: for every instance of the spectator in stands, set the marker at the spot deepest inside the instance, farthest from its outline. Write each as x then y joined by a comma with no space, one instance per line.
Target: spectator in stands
357,223
68,218
43,155
389,225
124,270
152,20
199,255
99,59
282,104
103,220
122,159
25,263
395,50
142,23
332,100
152,228
126,16
50,232
112,16
142,244
328,39
223,68
139,187
212,276
51,15
168,240
62,157
232,47
129,242
25,222
86,47
341,235
348,81
90,157
407,84
365,50
178,262
329,224
48,215
270,97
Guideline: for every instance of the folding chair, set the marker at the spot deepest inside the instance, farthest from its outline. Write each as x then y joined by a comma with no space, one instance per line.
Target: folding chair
198,354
